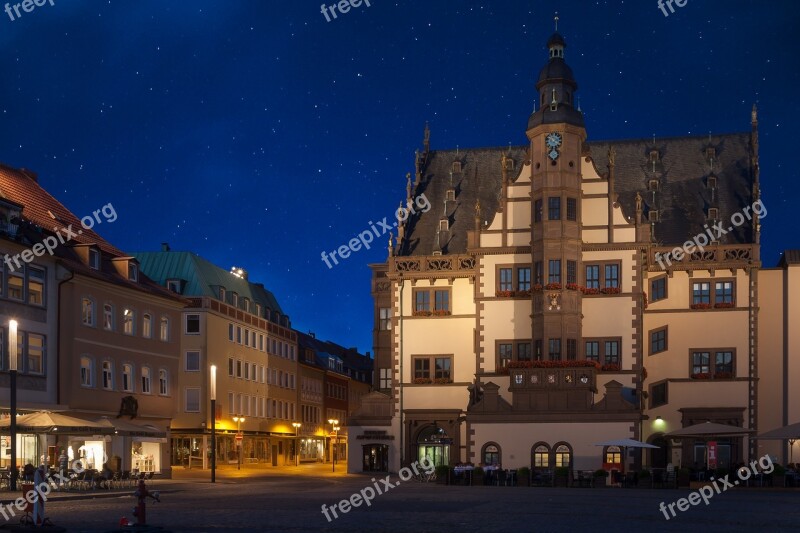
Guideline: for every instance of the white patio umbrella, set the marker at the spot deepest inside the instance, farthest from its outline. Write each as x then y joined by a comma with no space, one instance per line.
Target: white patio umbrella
47,422
790,433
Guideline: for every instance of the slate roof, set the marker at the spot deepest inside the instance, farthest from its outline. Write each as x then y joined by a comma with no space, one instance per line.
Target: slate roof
353,362
790,257
683,198
203,277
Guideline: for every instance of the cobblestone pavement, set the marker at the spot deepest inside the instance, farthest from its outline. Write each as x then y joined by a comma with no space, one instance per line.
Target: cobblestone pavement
292,503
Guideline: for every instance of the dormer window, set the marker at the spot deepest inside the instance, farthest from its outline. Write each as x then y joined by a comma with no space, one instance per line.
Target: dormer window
234,299
653,185
246,304
222,293
174,285
711,153
94,258
713,213
508,163
258,309
654,156
450,196
444,225
133,271
456,166
652,215
711,183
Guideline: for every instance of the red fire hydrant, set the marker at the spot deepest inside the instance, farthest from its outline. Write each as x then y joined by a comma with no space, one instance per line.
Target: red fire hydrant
140,511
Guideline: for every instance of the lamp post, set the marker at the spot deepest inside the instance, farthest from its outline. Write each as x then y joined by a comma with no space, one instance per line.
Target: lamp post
12,367
212,393
296,443
239,440
335,427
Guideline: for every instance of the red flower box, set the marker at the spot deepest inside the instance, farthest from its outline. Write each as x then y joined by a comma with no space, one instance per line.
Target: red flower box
553,286
701,375
611,367
725,305
723,375
553,364
422,381
586,290
610,290
700,306
525,293
574,287
442,312
537,287
422,313
504,294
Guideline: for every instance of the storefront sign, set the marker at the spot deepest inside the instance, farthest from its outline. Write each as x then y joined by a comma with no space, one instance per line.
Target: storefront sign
712,454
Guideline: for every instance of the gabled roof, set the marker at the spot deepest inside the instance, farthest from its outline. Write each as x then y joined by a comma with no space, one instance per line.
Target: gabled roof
682,200
202,277
790,257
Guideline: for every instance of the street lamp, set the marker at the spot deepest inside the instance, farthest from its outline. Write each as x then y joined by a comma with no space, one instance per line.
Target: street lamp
296,443
239,439
212,388
12,367
335,427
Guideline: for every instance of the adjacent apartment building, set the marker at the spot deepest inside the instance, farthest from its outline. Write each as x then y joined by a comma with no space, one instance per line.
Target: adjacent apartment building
572,291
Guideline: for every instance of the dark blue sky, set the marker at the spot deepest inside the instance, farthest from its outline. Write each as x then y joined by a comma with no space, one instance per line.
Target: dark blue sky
255,133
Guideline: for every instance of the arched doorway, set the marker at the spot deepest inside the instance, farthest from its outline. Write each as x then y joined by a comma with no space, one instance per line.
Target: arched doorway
433,443
661,457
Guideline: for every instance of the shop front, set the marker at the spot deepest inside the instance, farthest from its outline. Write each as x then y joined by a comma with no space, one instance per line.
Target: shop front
312,449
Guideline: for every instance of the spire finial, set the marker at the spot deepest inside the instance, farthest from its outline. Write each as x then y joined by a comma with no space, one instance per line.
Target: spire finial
556,20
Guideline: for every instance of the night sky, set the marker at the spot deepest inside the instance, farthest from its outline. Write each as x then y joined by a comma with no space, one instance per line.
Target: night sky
257,134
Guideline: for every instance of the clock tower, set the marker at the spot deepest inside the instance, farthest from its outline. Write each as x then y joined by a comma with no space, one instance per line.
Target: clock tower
556,133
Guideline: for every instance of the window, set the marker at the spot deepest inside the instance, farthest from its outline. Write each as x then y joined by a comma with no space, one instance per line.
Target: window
163,382
442,300
193,324
192,400
541,456
87,311
652,215
164,329
230,366
592,351
94,258
238,368
232,403
433,367
422,301
87,372
450,195
147,326
16,286
192,362
385,317
239,334
35,278
713,213
563,456
572,209
385,378
572,349
658,394
604,351
222,295
713,363
246,337
658,289
33,352
234,299
261,342
246,304
723,292
133,271
523,351
506,280
612,276
491,454
554,208
246,370
613,455
146,378
128,321
592,277
537,269
108,375
504,355
554,349
658,340
572,272
554,271
537,211
127,378
108,317
524,278
174,285
701,293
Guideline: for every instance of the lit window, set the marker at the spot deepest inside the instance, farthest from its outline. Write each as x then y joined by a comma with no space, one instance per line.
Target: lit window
108,317
129,321
108,375
385,319
127,377
86,372
147,326
163,382
563,456
87,312
164,329
146,380
35,285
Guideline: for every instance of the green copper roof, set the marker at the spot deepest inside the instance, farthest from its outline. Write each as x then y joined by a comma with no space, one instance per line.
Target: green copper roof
202,278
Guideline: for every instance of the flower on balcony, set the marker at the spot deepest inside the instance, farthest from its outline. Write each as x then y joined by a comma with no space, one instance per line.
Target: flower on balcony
442,381
421,313
723,375
700,306
589,290
537,287
574,287
504,294
525,293
644,373
610,367
644,299
701,375
442,312
610,290
724,305
422,381
553,286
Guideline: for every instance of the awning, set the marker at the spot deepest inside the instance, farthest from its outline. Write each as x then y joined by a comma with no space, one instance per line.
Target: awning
129,429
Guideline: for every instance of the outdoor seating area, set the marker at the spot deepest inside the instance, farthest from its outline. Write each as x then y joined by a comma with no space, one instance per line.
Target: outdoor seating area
90,479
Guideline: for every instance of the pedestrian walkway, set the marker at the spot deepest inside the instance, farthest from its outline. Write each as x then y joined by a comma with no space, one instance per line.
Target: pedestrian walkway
261,471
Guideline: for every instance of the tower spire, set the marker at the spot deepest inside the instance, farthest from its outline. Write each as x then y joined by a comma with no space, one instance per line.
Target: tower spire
555,19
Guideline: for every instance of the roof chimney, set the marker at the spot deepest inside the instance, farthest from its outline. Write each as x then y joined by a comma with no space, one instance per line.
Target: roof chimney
165,247
30,174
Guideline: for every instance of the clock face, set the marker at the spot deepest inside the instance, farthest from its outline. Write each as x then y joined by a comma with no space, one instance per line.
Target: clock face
553,154
553,140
